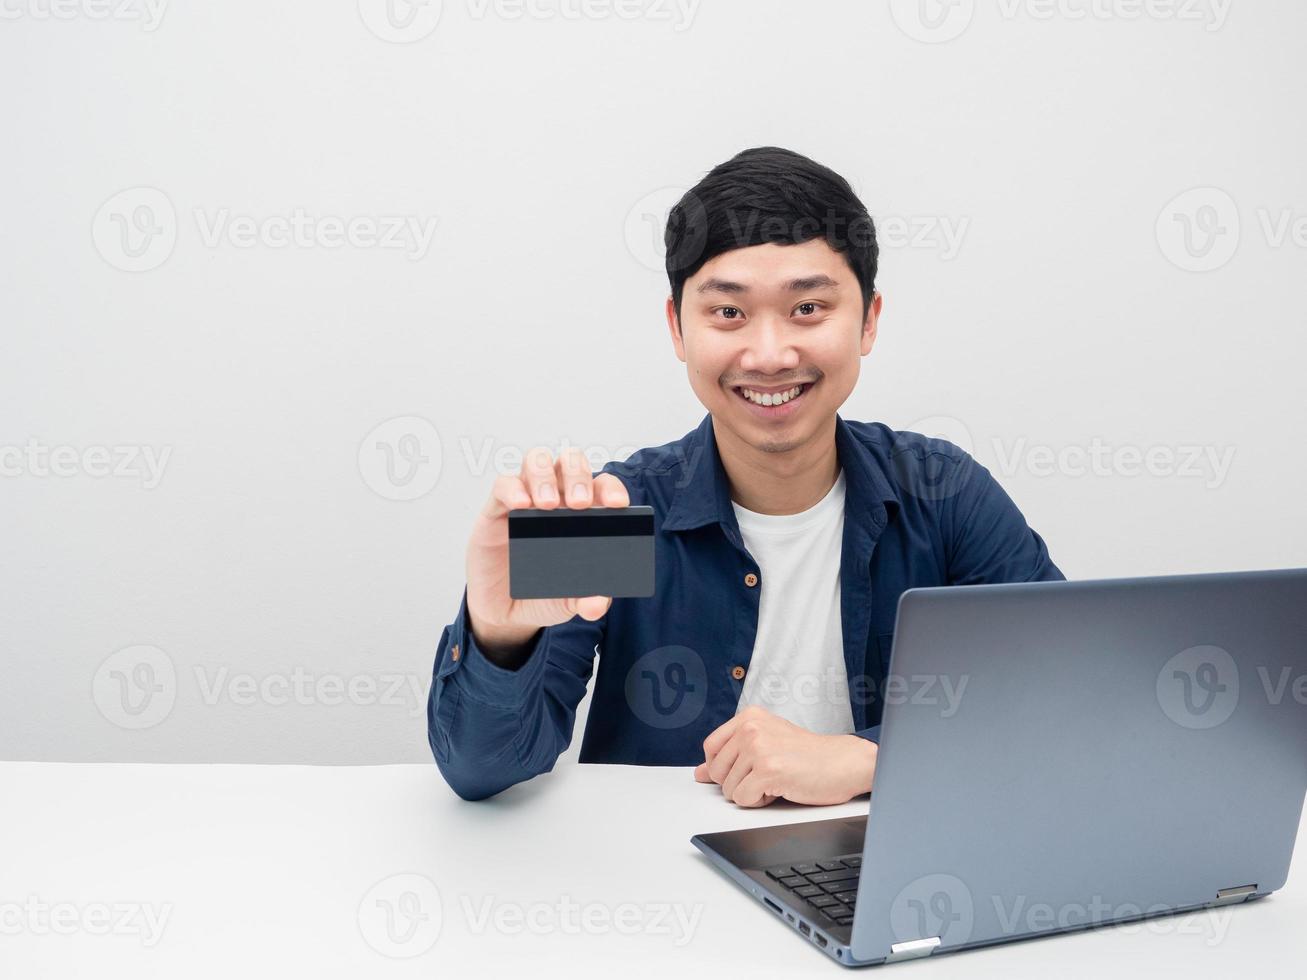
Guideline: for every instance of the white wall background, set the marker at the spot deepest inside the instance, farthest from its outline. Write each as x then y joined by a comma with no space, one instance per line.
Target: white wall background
266,589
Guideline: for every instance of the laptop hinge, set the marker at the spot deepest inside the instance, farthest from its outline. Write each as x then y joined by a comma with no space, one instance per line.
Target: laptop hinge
912,950
1228,896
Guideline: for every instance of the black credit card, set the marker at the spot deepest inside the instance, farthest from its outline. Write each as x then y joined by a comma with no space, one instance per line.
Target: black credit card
563,553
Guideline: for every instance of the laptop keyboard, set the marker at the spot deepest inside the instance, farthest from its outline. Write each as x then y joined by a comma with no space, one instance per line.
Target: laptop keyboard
830,886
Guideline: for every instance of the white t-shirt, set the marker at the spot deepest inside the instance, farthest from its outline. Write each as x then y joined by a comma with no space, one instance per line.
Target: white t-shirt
797,670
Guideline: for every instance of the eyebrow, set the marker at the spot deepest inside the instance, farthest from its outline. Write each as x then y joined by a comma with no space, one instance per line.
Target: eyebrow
801,285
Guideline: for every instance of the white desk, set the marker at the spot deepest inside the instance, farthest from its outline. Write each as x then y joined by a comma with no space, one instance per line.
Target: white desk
264,870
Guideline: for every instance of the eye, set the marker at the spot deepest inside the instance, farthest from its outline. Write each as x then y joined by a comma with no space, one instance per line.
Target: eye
806,309
730,312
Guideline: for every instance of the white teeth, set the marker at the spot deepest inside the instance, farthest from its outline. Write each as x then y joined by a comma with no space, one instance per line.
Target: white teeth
763,398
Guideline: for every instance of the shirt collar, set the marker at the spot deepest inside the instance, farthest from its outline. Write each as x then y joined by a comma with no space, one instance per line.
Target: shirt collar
703,492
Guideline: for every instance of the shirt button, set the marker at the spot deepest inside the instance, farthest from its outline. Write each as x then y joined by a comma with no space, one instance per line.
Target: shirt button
751,580
737,672
454,652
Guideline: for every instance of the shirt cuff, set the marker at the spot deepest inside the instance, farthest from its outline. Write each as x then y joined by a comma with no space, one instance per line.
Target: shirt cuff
871,734
464,663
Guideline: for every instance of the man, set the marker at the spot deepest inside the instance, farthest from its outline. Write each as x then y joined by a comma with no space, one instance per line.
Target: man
785,534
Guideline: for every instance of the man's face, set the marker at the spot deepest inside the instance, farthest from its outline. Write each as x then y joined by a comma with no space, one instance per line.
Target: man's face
764,320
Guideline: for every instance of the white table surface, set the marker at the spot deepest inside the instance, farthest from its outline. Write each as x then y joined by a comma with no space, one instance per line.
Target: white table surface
237,871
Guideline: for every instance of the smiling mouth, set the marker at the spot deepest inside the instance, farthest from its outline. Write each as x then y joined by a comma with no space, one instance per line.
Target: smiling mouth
773,399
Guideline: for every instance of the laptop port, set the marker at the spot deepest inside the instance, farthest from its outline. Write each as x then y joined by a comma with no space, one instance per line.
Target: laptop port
821,940
803,928
773,906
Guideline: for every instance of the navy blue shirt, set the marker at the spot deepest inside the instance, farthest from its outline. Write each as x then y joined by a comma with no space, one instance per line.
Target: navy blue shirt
918,511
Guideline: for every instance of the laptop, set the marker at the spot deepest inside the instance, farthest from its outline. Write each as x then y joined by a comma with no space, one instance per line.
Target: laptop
1112,750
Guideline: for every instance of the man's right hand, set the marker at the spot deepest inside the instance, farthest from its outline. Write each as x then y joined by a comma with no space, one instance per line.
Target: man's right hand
503,625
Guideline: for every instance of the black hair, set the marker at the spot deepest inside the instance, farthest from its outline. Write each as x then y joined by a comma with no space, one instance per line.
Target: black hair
768,194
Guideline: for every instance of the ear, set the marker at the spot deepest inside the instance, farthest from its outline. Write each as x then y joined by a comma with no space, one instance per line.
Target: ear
674,327
869,325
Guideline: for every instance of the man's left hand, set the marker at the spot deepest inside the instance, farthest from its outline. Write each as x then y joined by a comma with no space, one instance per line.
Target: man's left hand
758,757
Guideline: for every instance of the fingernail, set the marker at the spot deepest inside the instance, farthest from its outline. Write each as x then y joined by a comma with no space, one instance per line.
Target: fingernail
578,492
547,492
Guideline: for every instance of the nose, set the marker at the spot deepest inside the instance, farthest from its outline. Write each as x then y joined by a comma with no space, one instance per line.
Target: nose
769,347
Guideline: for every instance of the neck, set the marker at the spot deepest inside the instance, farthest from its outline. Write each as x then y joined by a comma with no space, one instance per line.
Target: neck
777,483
